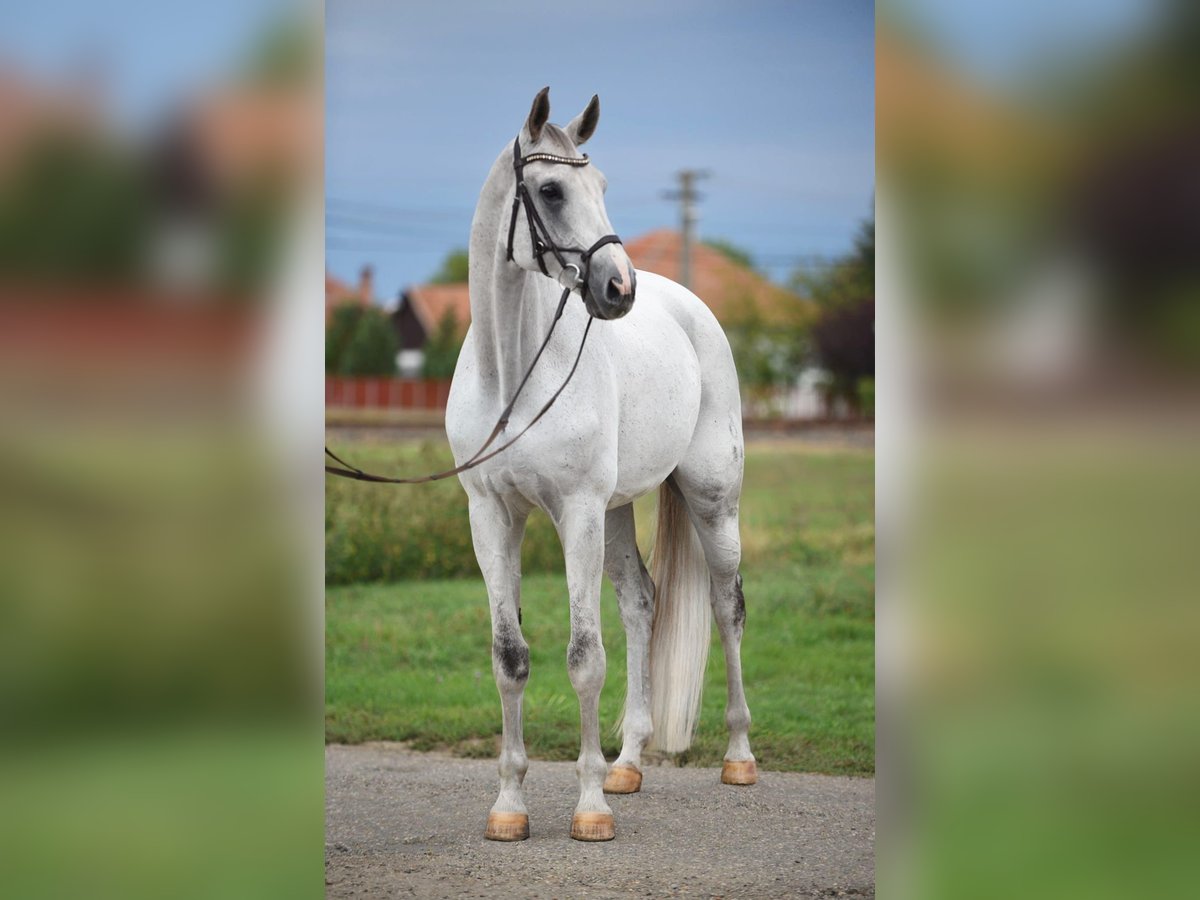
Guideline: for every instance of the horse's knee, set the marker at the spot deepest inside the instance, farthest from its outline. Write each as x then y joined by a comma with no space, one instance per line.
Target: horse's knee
585,658
510,656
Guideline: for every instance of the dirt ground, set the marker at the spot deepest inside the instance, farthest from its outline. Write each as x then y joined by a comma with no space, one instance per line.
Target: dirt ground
404,824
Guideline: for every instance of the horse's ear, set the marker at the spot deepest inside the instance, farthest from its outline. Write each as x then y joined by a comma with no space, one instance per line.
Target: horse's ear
583,126
539,113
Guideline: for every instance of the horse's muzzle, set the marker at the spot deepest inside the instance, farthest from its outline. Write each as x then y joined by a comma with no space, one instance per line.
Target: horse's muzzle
612,285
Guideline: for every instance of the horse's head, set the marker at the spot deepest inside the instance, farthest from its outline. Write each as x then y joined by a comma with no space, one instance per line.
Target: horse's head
560,225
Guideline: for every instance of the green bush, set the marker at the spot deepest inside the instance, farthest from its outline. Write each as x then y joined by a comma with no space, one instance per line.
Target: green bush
443,347
372,347
866,397
385,532
360,340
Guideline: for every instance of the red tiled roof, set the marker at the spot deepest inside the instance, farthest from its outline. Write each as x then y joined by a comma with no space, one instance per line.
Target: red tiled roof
431,302
29,109
338,292
730,290
335,287
249,132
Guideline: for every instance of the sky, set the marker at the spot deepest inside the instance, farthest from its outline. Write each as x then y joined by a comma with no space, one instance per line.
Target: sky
1003,43
147,53
774,99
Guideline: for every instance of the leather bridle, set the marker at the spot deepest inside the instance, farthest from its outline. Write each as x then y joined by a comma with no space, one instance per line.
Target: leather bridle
541,242
539,235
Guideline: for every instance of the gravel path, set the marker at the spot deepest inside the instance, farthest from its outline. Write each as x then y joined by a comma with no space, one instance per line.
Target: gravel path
404,824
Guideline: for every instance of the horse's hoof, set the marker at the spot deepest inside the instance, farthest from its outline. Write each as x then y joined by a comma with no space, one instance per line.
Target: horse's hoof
623,780
507,826
593,827
739,771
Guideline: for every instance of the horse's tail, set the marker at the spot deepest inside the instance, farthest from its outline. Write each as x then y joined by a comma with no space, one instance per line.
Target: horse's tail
682,625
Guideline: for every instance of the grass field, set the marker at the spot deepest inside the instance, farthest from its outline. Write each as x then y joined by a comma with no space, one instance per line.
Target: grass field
410,659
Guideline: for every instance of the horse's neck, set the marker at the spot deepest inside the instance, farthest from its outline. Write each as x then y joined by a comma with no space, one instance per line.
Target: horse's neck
511,309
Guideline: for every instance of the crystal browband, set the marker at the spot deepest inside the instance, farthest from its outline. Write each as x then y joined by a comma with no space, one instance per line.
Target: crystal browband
550,157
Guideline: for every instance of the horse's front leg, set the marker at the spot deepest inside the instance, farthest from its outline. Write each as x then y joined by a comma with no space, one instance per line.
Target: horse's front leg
581,529
497,529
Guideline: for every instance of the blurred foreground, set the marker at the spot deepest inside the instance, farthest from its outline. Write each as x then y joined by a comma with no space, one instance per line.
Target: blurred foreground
160,650
1039,291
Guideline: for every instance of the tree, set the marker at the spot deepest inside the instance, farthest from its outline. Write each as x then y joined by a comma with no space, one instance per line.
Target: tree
442,349
286,52
844,341
372,348
843,337
72,209
360,341
455,269
767,352
338,334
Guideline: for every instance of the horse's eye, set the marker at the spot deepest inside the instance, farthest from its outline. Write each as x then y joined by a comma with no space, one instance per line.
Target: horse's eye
551,191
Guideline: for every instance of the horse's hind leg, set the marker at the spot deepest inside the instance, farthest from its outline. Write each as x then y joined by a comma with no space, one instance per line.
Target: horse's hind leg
496,530
635,596
713,509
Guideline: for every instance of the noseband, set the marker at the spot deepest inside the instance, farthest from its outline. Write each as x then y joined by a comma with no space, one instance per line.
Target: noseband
542,243
539,234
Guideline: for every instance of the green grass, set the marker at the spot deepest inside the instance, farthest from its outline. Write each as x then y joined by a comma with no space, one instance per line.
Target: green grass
411,660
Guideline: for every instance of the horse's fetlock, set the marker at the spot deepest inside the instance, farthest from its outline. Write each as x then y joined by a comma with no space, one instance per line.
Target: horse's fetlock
513,763
738,720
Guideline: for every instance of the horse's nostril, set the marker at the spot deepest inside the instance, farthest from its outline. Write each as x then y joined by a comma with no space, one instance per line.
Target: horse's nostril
618,290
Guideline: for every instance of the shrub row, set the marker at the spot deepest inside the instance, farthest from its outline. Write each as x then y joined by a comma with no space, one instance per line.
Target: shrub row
400,532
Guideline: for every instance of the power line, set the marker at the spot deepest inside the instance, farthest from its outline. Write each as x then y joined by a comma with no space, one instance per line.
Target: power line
385,210
351,223
332,243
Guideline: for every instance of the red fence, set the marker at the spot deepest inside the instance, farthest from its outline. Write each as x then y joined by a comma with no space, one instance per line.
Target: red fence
386,393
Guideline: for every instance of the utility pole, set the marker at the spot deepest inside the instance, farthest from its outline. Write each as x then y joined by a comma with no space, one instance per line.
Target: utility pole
687,197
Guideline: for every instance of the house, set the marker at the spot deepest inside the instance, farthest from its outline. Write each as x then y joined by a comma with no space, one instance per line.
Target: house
257,135
730,290
245,146
338,292
31,110
416,316
736,294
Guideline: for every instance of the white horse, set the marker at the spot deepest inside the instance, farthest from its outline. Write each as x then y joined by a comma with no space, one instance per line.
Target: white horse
654,403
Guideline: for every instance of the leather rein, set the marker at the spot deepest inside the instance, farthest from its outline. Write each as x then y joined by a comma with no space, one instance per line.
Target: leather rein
542,243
